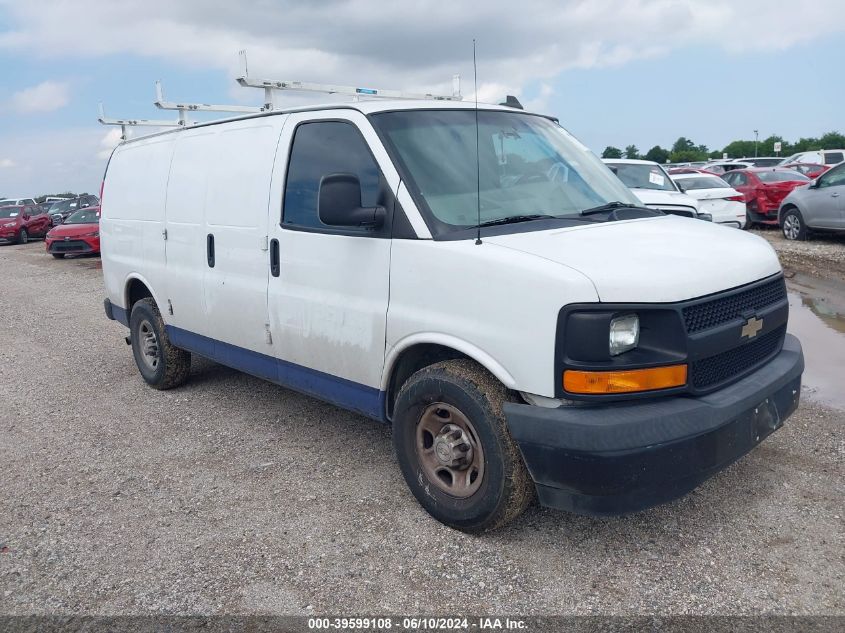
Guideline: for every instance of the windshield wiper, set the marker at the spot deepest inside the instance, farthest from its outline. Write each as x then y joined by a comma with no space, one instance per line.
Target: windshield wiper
610,206
514,219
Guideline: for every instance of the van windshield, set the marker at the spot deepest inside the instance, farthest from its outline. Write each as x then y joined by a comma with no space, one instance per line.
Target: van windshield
527,165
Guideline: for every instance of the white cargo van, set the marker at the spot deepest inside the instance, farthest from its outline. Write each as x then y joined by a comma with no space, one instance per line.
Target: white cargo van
583,349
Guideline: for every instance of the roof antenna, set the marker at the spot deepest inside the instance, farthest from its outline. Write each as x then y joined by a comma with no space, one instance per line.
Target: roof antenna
477,152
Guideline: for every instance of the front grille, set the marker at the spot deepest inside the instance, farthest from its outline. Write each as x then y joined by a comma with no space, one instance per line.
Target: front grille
69,246
717,369
726,308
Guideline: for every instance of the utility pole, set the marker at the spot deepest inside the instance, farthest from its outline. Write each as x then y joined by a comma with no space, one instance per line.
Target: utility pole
755,143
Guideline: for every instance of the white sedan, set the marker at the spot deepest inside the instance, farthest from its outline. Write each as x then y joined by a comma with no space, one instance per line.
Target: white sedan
724,203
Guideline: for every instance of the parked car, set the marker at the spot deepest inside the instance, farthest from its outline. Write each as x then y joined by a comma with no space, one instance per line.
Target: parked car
764,189
725,204
19,223
724,166
810,170
821,157
363,267
61,210
79,234
819,206
16,202
760,161
654,188
689,170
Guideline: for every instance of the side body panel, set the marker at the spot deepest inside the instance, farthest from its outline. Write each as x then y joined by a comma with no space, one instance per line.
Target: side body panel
497,305
328,306
132,217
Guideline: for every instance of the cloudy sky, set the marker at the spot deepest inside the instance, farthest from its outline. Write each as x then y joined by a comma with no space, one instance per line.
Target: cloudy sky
614,71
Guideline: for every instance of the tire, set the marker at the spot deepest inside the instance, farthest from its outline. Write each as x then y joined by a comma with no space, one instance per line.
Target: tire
491,486
162,365
793,226
58,255
23,237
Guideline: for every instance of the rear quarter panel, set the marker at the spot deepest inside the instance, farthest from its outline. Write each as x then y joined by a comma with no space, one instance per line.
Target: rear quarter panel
132,215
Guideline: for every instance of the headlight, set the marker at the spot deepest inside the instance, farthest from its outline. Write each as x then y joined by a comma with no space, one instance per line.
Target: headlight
94,234
624,334
8,224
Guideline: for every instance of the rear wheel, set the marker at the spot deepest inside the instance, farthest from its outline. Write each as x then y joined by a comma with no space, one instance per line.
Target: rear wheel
793,225
162,365
454,448
23,237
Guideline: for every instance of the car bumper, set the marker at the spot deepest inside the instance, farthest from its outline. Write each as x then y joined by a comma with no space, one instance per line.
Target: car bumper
74,246
615,459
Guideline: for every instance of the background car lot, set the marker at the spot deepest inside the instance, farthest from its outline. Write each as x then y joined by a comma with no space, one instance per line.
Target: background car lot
235,495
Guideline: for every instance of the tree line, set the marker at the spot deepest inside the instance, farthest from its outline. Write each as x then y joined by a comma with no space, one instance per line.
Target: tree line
684,150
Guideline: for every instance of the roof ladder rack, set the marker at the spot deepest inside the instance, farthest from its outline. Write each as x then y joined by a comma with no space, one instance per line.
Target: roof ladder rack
198,107
126,123
269,85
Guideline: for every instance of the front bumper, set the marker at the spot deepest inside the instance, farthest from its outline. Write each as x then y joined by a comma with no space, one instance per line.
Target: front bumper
73,246
618,458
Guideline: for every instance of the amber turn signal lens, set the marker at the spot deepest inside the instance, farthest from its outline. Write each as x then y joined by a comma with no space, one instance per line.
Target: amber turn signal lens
630,381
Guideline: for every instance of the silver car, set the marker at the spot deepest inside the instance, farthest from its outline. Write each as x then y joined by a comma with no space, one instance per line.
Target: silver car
818,206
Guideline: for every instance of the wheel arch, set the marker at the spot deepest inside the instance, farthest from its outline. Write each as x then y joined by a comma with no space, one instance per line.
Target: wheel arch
135,289
786,208
416,352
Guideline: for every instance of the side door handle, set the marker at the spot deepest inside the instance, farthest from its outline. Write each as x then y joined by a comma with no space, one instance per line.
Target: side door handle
275,268
834,195
209,249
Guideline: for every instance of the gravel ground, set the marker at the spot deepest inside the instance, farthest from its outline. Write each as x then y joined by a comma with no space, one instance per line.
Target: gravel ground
232,495
821,256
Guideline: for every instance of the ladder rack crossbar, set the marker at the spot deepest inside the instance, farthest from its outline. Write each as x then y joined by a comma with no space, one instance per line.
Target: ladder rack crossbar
351,91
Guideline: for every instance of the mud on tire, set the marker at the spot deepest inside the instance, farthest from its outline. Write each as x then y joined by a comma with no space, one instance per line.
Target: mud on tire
162,365
468,401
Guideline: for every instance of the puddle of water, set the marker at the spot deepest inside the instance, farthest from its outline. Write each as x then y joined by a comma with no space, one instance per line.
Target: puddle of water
817,318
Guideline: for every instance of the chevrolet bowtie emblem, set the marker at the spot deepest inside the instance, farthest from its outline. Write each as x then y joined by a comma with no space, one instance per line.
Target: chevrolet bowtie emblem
751,327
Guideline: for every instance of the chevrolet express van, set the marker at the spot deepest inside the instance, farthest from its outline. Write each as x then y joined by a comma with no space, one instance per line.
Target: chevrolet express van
526,327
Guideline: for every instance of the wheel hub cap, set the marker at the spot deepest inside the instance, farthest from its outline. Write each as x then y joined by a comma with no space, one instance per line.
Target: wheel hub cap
449,452
149,345
453,447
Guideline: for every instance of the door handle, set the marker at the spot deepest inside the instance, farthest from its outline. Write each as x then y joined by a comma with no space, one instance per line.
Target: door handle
834,195
209,249
275,268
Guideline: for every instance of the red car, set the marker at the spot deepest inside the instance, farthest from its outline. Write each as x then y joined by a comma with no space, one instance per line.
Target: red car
19,223
764,189
78,235
810,170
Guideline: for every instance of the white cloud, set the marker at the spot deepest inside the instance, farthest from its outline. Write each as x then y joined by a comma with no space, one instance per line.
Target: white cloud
412,46
45,97
7,163
109,141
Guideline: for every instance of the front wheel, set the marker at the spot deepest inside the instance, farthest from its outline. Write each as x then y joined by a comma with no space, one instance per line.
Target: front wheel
23,237
162,365
793,225
454,448
58,255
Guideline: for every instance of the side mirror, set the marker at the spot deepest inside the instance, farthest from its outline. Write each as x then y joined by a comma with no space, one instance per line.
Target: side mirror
339,203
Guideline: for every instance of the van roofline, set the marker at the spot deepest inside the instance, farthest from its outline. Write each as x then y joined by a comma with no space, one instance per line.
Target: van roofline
364,107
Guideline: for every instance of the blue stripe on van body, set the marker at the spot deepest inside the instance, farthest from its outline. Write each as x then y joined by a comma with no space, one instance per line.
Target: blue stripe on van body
339,391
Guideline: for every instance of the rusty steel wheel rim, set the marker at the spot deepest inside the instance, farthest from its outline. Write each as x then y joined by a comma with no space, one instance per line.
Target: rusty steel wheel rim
449,451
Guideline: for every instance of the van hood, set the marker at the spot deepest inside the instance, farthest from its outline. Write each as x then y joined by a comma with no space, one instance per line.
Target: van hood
652,260
658,197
